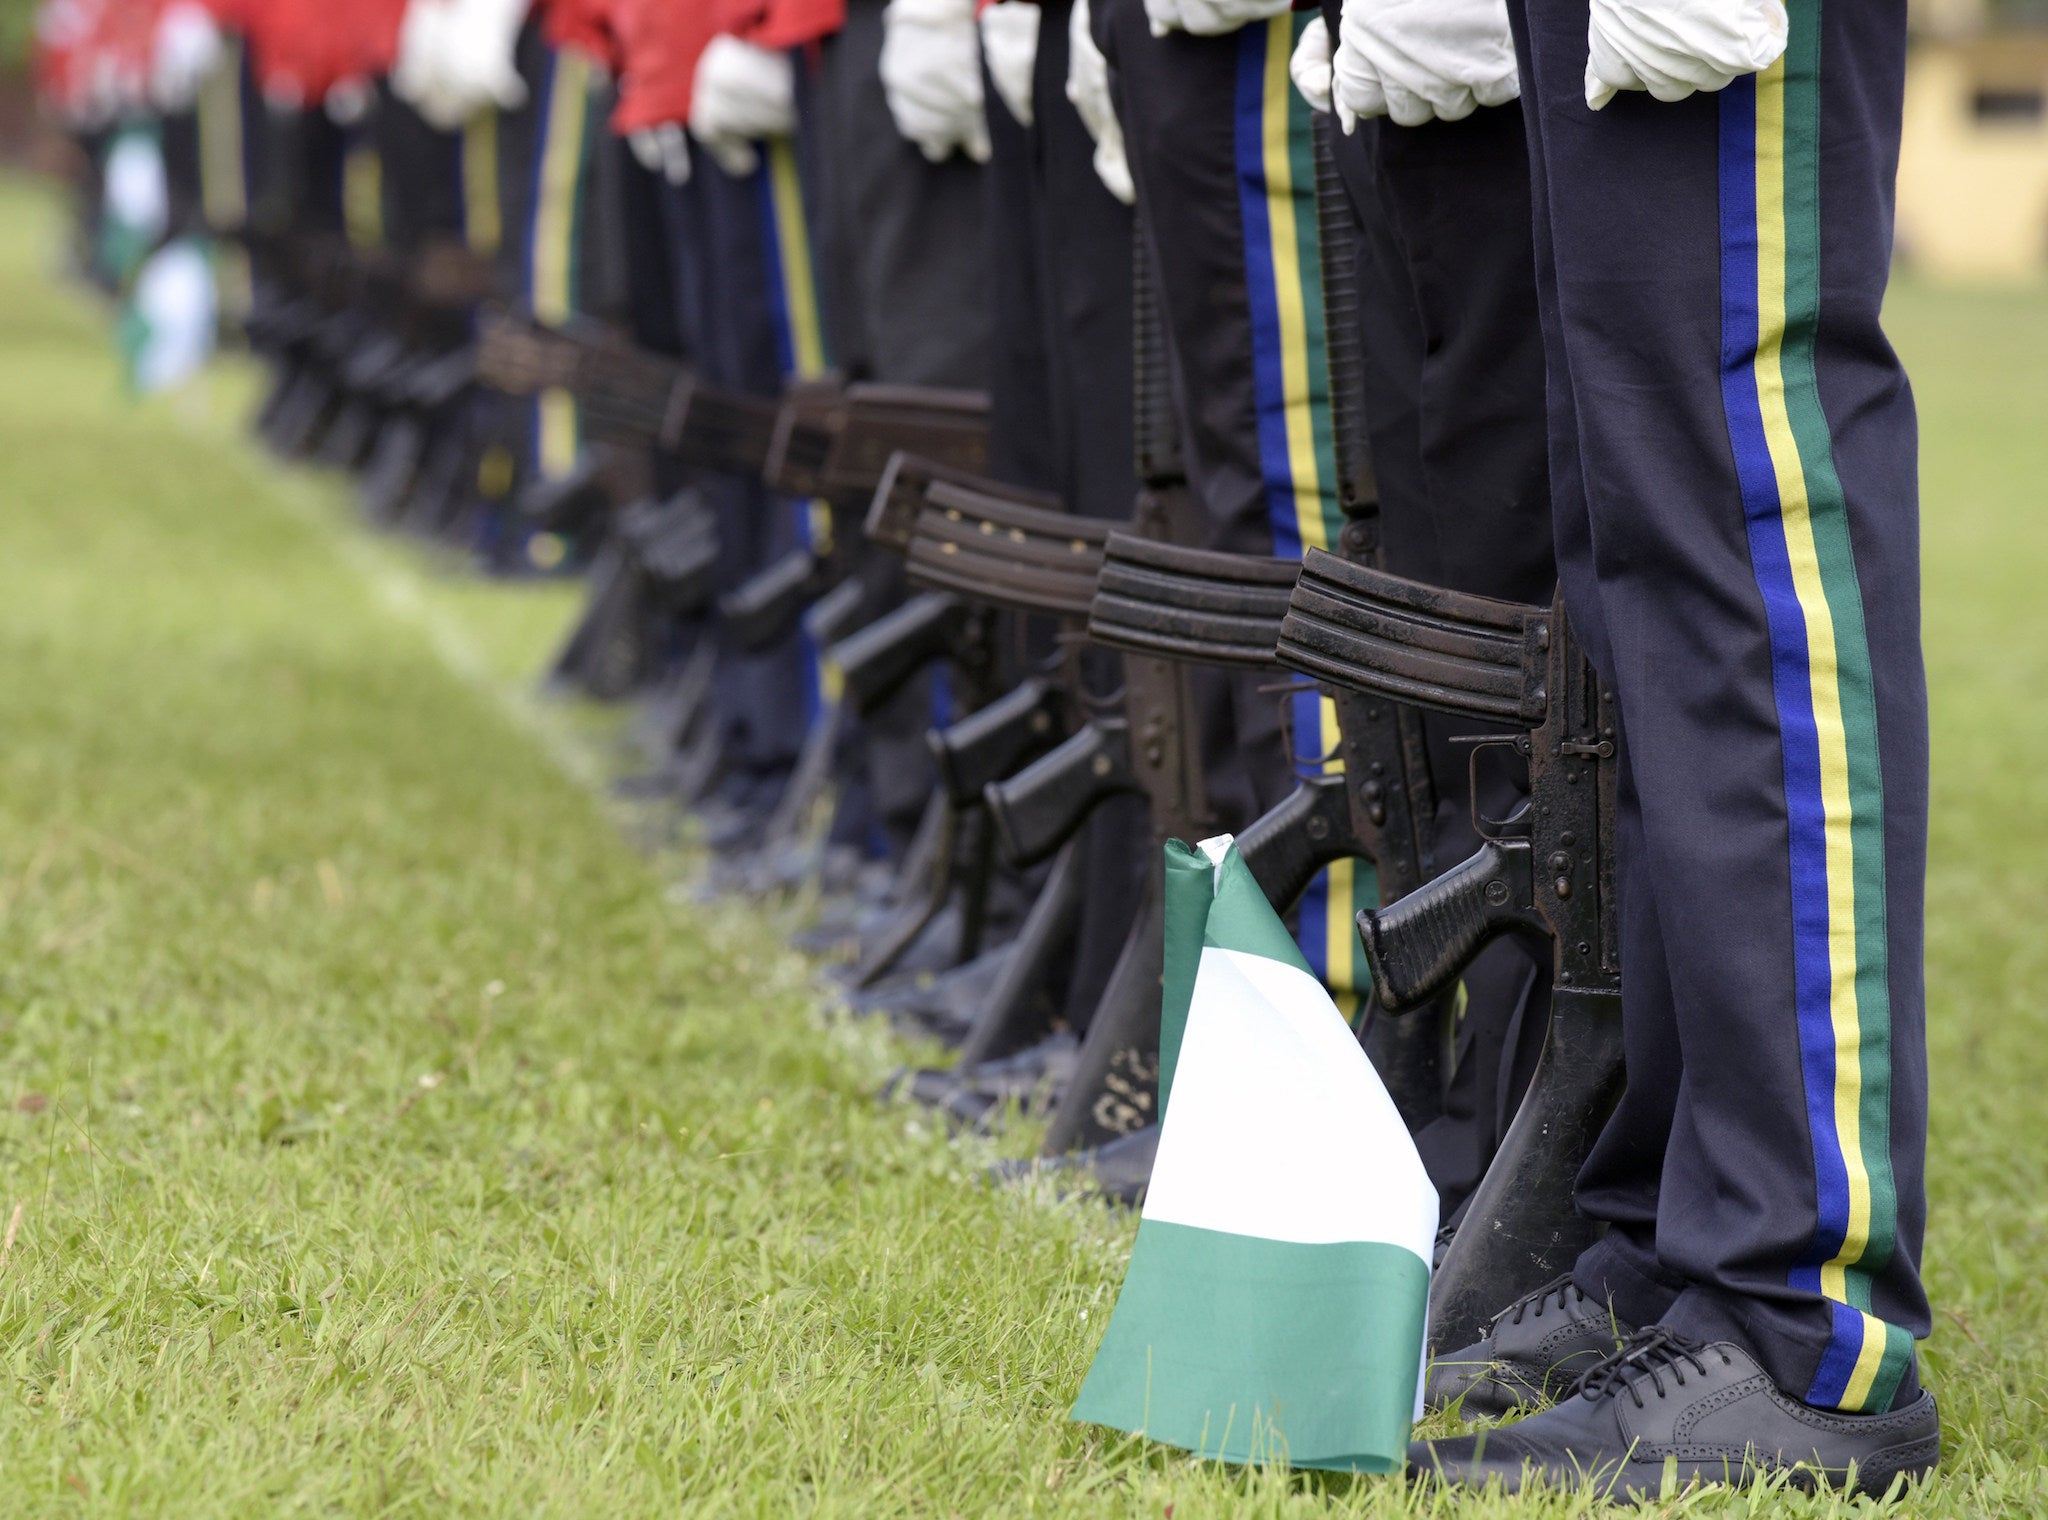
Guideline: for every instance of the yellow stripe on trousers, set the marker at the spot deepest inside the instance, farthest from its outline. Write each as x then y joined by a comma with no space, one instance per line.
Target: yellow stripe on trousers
1823,665
554,234
1340,938
482,227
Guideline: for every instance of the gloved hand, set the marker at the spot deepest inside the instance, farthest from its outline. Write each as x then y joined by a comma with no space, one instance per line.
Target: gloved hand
185,50
1309,68
416,75
455,58
931,73
1423,60
1210,18
663,150
1009,46
1088,91
481,68
1674,47
742,95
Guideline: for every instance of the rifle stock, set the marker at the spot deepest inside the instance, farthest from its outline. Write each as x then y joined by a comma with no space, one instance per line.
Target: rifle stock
1550,872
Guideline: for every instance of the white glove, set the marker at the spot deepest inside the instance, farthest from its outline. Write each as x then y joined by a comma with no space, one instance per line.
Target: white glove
931,73
663,150
455,58
481,67
742,95
1009,46
1309,68
1088,90
1673,47
1423,60
1210,18
185,50
416,76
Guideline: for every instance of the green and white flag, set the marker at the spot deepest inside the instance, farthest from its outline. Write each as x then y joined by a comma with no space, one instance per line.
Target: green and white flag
1274,1305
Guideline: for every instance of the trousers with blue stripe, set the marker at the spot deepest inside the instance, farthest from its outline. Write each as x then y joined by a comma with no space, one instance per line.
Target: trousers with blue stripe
757,328
1734,486
1222,151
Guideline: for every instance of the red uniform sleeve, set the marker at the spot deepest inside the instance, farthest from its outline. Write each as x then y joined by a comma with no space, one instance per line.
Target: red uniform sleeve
304,48
660,42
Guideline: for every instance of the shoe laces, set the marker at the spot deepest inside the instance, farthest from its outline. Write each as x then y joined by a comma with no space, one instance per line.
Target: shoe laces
1564,1293
1646,1357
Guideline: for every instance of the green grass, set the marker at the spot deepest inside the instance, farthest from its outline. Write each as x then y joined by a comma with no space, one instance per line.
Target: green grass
387,1140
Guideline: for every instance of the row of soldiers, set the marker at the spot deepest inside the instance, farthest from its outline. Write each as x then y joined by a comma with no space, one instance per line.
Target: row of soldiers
1447,444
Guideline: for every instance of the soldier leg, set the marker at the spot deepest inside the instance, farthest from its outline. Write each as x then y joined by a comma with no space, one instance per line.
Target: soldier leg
1221,149
1454,402
1737,533
766,697
1084,241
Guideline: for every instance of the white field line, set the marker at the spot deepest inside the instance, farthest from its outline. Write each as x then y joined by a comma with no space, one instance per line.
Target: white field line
402,593
395,585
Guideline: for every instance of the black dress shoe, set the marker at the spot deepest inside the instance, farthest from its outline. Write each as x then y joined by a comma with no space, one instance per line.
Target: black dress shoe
1533,1351
1031,1078
1664,1406
1118,1169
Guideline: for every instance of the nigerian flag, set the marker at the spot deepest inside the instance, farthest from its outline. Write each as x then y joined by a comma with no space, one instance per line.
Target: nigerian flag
1274,1305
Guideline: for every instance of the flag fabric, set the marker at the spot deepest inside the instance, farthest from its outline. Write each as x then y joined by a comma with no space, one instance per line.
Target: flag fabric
1274,1305
167,325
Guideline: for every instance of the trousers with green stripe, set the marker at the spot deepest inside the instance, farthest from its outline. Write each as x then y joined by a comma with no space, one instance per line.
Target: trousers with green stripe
1734,486
1222,151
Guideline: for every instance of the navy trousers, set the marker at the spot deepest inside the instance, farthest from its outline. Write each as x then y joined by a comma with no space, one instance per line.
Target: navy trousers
1060,250
1221,150
1453,374
757,325
1734,481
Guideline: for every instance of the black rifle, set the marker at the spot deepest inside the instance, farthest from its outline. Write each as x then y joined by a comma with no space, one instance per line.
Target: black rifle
1002,548
841,448
1166,607
656,571
818,439
1160,603
1547,872
874,664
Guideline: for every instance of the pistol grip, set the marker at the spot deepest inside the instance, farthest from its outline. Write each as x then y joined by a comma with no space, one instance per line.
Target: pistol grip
988,745
765,607
878,660
1044,805
1418,944
1287,846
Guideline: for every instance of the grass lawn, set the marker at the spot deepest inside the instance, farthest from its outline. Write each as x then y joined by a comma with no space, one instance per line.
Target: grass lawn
378,1136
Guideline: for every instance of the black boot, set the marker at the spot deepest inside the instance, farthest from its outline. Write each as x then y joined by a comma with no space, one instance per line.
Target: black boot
1664,1405
1533,1351
1118,1169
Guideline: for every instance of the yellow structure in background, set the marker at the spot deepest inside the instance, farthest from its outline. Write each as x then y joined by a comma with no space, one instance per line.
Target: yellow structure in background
1973,166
